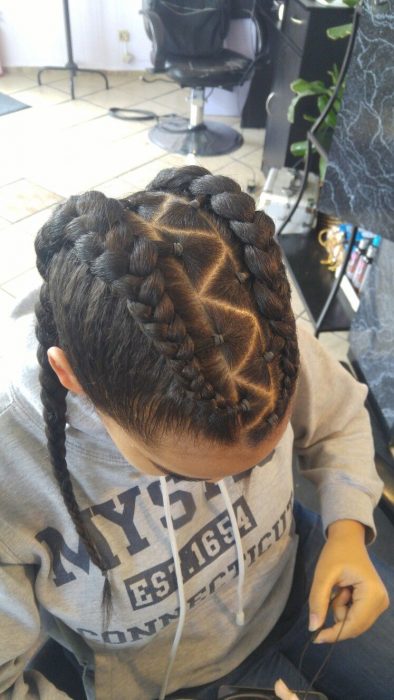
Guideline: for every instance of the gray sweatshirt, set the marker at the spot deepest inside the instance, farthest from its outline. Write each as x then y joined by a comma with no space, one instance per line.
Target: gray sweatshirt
189,561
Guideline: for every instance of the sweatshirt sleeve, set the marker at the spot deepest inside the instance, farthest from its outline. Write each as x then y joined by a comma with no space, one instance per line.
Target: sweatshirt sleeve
333,437
19,632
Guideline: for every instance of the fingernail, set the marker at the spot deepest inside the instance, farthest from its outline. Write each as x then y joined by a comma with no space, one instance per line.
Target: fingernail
318,640
313,622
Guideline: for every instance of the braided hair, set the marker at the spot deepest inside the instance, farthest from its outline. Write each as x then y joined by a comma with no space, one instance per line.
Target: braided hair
173,309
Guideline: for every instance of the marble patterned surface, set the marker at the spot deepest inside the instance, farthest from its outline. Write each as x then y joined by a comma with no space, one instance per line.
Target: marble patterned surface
372,332
359,182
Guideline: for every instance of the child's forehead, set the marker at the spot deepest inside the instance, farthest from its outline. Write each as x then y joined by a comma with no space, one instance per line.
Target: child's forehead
183,456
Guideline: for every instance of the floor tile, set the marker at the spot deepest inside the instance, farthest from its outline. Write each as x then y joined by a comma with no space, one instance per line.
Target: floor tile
84,83
103,130
43,95
336,346
296,301
22,284
22,198
153,106
343,335
115,97
211,163
253,139
254,158
72,112
17,246
6,304
306,324
140,177
140,91
224,119
10,83
17,254
241,173
117,188
83,168
177,101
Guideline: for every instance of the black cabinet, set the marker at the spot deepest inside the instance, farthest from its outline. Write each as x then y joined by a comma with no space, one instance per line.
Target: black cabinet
299,48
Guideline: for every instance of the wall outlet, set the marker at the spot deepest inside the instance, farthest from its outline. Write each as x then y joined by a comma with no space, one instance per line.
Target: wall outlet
124,35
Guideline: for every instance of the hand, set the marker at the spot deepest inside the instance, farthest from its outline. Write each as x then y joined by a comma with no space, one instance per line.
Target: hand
283,692
344,563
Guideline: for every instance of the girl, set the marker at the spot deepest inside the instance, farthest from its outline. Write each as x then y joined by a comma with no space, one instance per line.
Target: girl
147,523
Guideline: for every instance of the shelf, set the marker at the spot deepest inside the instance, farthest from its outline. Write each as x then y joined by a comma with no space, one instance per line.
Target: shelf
313,281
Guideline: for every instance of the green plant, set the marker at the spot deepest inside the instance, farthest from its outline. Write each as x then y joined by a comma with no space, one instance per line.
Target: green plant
343,30
322,93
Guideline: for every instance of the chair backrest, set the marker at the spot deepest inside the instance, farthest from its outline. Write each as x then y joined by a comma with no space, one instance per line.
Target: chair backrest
195,28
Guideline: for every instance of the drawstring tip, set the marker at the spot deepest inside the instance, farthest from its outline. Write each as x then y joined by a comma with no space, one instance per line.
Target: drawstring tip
240,618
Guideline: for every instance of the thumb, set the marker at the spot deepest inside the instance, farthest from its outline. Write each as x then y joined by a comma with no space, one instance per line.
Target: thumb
319,601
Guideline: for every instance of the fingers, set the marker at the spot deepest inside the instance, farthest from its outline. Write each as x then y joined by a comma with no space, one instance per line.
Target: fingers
319,600
283,692
354,620
340,603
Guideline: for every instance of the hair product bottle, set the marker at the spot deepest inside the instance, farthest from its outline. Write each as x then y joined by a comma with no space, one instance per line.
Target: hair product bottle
364,263
371,255
355,256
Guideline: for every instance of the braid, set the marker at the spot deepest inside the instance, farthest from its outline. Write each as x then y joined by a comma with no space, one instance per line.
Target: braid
262,257
49,241
139,281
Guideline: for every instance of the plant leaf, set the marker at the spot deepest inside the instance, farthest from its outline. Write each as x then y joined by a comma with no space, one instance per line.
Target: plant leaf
298,148
321,102
322,168
306,87
339,32
331,119
309,118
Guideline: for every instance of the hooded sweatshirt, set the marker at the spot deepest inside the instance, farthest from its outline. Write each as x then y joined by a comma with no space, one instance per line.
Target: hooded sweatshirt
199,572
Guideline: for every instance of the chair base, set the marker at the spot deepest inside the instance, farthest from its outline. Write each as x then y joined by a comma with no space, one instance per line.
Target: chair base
206,139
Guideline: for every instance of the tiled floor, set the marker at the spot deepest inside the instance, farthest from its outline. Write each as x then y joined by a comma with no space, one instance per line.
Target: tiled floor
60,147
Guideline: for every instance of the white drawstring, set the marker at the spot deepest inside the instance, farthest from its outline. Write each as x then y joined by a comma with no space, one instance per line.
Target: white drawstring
179,580
240,616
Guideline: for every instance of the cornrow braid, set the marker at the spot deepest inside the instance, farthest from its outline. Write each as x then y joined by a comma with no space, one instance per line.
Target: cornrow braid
262,257
142,284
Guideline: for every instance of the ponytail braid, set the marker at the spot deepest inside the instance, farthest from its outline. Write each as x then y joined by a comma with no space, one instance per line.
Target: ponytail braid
49,242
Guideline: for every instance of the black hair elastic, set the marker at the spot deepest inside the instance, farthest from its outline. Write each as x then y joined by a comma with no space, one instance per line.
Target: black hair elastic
178,249
242,276
218,339
272,419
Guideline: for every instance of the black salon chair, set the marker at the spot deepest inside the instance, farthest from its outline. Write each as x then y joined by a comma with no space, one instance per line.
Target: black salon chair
194,57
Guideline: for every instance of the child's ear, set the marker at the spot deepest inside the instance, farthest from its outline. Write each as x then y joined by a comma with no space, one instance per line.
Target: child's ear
61,366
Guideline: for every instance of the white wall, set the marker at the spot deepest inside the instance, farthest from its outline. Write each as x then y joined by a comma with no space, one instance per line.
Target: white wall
32,33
